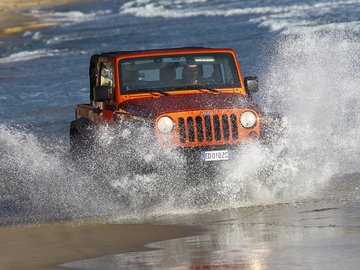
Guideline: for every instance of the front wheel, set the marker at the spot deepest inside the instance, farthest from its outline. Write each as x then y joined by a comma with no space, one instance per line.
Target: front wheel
198,172
81,137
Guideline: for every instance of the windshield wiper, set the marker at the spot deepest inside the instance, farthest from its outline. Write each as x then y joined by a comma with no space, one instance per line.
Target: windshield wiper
150,90
208,88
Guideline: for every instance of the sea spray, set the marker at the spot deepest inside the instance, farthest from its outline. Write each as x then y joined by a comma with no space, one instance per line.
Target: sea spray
42,184
122,175
317,78
312,80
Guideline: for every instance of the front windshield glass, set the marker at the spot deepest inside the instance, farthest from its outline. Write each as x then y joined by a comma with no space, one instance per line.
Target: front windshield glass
178,72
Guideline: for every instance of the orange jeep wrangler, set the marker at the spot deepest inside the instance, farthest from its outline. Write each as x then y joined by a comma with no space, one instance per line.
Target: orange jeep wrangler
195,100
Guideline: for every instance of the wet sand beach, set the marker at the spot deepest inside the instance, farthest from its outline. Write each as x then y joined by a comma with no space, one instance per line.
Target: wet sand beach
42,247
308,235
13,21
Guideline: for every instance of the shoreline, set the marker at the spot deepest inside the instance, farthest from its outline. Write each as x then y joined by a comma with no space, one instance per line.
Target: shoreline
49,246
13,21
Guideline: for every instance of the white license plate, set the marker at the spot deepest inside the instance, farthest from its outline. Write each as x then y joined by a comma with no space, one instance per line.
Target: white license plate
215,155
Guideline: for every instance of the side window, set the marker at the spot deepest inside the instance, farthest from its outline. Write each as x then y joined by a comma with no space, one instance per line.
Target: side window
106,74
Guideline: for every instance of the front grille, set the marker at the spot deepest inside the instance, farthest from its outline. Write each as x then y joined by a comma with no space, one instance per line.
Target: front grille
208,128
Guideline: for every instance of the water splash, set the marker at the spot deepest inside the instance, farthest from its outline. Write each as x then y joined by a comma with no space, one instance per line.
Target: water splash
311,79
41,181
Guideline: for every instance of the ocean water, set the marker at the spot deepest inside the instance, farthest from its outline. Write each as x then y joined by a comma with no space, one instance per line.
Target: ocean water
305,53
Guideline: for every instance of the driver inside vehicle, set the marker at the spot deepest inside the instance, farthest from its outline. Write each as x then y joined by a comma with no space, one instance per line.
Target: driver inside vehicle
130,79
190,74
168,76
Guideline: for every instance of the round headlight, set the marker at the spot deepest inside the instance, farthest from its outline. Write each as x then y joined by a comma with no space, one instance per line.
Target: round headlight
248,119
165,124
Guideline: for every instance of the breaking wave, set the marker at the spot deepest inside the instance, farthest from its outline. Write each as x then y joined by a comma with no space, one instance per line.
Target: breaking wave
31,55
284,17
67,17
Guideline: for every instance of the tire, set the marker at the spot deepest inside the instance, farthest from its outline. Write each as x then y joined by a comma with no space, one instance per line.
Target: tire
81,137
198,172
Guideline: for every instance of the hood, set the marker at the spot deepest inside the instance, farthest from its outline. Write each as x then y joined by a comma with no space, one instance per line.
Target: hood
190,102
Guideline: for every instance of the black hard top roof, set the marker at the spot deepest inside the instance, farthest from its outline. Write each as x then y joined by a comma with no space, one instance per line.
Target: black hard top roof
115,53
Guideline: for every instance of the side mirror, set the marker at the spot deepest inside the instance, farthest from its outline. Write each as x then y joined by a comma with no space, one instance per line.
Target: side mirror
102,93
251,84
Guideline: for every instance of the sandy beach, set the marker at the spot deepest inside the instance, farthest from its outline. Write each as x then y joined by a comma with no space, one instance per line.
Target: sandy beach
42,247
13,21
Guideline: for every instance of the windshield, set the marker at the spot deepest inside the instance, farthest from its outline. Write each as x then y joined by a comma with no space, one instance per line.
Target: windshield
178,72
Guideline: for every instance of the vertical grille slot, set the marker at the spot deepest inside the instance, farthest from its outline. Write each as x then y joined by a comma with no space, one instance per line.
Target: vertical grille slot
182,129
234,127
190,125
225,127
208,128
199,129
217,128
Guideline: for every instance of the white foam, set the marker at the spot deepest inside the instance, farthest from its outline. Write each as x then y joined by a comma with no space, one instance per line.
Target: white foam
276,18
37,36
63,38
68,17
167,9
30,55
180,9
310,18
